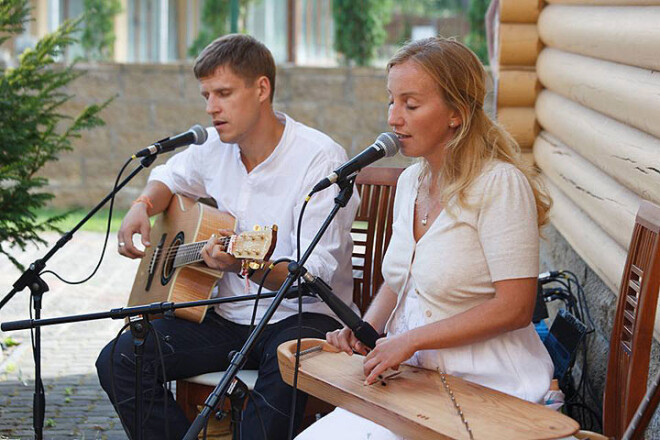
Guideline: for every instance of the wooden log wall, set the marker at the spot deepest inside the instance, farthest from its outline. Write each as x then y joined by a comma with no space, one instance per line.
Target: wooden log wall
599,115
518,46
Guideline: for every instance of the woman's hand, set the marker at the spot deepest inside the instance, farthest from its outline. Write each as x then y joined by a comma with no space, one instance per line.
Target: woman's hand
388,353
345,341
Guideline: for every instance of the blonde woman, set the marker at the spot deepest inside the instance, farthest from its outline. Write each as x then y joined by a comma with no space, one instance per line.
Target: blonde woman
461,268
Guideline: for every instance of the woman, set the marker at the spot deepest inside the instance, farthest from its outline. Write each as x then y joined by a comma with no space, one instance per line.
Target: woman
461,268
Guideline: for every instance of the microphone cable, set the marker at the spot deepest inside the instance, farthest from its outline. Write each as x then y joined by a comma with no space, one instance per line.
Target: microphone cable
107,234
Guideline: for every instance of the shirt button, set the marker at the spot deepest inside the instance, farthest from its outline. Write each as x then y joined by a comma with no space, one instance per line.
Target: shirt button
417,291
428,313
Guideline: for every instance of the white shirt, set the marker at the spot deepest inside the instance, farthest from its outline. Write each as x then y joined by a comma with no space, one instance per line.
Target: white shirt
452,269
273,193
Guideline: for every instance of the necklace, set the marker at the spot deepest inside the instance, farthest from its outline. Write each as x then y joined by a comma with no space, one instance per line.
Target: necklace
424,200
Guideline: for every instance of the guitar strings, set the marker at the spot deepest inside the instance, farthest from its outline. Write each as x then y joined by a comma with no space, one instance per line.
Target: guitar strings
190,249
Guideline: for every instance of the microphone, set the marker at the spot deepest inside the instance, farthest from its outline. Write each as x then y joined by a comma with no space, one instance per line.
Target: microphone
386,145
363,331
195,135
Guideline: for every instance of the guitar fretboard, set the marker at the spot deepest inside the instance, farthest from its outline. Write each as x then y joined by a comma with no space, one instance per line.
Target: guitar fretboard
192,252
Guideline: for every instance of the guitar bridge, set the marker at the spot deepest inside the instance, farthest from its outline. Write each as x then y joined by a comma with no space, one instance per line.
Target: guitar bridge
154,261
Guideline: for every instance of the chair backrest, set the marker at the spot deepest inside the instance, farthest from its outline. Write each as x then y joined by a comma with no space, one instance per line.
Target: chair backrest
372,230
632,333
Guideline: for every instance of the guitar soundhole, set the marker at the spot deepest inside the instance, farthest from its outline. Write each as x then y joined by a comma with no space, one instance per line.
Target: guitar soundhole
168,262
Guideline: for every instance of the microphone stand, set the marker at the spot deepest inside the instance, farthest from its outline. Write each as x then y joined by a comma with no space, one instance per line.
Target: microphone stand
240,357
139,323
31,279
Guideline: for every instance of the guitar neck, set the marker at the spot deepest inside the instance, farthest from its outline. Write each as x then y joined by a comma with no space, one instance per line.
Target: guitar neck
192,252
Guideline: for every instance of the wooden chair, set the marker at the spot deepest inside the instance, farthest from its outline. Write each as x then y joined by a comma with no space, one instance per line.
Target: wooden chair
371,233
632,333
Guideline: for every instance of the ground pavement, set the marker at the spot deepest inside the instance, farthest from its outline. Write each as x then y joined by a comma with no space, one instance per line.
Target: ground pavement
76,406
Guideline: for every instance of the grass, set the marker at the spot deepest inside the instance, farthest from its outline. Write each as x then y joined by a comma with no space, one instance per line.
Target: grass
97,223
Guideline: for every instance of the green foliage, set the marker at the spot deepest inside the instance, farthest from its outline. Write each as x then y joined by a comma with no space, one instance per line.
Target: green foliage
98,37
215,22
33,128
476,39
360,28
9,342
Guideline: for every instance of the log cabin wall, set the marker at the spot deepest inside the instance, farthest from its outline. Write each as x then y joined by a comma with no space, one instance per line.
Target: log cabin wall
592,82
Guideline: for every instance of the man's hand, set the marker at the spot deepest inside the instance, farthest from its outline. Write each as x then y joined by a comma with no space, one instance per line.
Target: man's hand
214,254
135,222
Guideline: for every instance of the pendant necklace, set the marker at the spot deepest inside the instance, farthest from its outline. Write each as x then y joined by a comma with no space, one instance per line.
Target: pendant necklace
424,200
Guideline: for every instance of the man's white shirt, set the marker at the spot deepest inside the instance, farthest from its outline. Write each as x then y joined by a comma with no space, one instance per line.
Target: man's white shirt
273,193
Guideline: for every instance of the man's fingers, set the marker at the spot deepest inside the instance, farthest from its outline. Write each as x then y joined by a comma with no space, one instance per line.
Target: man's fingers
145,231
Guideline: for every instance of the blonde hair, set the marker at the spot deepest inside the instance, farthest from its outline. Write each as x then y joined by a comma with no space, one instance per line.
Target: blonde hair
461,80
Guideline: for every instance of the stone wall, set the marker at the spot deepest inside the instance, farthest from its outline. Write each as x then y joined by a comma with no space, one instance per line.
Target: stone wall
155,101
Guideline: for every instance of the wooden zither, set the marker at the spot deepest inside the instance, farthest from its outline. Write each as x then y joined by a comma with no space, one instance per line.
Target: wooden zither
173,269
415,403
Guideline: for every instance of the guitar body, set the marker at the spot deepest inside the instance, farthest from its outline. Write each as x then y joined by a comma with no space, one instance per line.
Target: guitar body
185,221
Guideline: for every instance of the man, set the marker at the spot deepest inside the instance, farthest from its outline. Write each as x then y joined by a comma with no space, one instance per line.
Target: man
258,165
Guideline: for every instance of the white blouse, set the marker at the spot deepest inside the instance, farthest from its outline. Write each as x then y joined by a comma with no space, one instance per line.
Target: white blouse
452,269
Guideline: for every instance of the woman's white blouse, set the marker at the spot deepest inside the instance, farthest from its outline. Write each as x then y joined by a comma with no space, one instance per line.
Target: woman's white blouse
452,269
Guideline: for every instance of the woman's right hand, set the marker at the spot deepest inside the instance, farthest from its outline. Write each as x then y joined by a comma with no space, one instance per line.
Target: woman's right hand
346,341
136,221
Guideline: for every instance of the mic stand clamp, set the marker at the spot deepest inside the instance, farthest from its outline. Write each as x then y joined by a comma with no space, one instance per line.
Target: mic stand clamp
237,393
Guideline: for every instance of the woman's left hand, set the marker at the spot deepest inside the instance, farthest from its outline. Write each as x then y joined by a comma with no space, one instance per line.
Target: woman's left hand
388,353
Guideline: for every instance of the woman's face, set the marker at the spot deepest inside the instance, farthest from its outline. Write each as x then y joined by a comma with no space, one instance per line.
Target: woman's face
418,113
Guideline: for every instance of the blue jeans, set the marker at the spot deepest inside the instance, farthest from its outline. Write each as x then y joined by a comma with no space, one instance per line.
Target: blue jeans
190,349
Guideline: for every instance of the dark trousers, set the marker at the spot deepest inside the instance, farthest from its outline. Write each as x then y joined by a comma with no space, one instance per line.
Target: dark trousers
189,349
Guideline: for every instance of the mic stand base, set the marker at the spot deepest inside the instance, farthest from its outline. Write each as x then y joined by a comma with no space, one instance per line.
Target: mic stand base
32,278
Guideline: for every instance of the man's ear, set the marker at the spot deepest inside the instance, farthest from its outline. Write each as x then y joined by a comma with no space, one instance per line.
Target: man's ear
264,87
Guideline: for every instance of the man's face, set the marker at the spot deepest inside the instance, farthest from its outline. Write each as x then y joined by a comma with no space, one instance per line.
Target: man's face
232,102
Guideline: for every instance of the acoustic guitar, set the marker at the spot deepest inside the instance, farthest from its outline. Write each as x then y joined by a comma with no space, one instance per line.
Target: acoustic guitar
173,268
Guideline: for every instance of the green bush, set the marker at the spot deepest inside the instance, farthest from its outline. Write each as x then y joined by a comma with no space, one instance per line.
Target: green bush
360,28
33,128
98,37
476,39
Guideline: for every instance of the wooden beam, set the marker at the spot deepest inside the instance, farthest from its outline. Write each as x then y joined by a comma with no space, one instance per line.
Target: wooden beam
519,44
520,122
520,11
609,204
629,155
628,94
606,2
603,255
517,88
628,35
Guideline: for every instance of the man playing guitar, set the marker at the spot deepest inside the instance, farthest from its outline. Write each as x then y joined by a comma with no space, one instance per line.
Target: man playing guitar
258,165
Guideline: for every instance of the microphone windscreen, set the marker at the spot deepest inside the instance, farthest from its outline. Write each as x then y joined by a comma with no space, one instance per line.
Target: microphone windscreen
390,143
200,134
